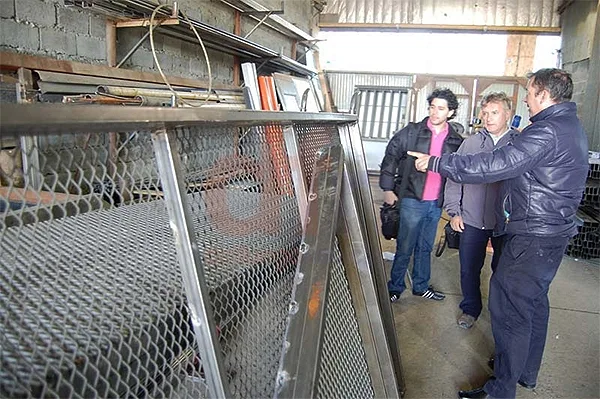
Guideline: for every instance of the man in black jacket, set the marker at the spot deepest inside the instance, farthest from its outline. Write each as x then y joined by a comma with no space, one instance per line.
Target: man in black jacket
420,195
545,169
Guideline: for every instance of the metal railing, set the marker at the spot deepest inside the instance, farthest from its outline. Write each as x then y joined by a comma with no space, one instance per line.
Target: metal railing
151,252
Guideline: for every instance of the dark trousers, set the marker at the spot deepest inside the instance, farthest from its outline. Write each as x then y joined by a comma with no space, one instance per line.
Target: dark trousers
519,309
472,250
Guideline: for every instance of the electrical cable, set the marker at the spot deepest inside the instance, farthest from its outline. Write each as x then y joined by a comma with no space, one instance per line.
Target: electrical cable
205,55
155,57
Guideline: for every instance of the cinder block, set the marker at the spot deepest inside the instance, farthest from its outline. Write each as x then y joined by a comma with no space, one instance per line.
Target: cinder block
158,41
72,20
91,47
142,58
18,35
217,15
172,45
37,12
97,26
198,68
57,41
180,66
7,8
166,62
189,49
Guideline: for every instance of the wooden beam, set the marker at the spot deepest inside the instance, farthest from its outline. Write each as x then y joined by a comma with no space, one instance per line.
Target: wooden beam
294,49
520,50
111,43
534,30
328,105
136,23
32,197
15,61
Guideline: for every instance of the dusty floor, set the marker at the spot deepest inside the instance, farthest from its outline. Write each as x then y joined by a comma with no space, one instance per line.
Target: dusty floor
439,358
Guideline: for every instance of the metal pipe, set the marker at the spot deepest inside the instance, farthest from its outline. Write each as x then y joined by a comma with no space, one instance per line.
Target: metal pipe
257,25
186,95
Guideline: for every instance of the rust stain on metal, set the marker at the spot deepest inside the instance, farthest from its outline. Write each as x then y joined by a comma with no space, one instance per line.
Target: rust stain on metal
314,301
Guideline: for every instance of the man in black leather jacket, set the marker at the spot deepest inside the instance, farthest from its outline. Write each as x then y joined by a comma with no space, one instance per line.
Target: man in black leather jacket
545,169
420,195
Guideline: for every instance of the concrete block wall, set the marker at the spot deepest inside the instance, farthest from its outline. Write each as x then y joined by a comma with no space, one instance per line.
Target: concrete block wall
580,24
49,28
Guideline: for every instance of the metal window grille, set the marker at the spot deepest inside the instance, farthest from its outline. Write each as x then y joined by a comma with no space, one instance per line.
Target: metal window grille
153,253
381,111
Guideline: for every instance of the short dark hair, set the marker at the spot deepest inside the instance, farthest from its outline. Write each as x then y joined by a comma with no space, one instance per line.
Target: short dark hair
449,96
556,81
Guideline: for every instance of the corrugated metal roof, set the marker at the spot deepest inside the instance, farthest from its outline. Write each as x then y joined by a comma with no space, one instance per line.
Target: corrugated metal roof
500,13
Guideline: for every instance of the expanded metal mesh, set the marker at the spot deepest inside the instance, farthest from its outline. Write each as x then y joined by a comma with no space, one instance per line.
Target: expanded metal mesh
311,139
344,371
91,296
249,232
343,368
92,302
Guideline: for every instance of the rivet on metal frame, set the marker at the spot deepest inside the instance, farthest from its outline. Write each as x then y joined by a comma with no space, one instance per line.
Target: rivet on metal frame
312,196
282,379
293,307
304,248
298,279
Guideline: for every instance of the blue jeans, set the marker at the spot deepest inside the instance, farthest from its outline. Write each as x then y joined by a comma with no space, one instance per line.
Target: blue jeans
472,250
519,309
416,233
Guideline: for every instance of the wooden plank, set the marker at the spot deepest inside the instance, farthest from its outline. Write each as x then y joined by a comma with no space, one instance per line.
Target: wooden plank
111,43
520,50
325,89
15,61
526,54
135,23
32,197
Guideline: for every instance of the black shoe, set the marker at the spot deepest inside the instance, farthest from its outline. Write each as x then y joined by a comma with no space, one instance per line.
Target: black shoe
520,382
477,393
430,293
395,296
526,385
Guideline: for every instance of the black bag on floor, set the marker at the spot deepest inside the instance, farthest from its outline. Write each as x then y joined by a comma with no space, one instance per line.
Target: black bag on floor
390,218
450,239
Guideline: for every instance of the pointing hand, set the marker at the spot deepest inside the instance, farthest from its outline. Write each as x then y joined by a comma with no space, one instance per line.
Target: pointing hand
422,160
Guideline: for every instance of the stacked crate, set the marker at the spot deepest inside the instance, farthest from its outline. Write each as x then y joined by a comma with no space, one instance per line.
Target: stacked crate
586,244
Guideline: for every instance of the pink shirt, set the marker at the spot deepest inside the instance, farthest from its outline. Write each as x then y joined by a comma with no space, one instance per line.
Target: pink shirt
433,181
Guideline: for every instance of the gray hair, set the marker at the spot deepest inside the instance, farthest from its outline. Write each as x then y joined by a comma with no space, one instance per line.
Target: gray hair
497,97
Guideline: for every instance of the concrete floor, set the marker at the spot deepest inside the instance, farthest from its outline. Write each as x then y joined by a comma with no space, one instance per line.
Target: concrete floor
439,358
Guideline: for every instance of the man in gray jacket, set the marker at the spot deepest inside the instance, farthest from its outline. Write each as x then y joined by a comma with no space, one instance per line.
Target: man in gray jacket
472,206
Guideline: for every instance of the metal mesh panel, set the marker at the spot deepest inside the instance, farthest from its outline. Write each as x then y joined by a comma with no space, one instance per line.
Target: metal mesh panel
249,232
91,297
311,139
344,372
92,302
